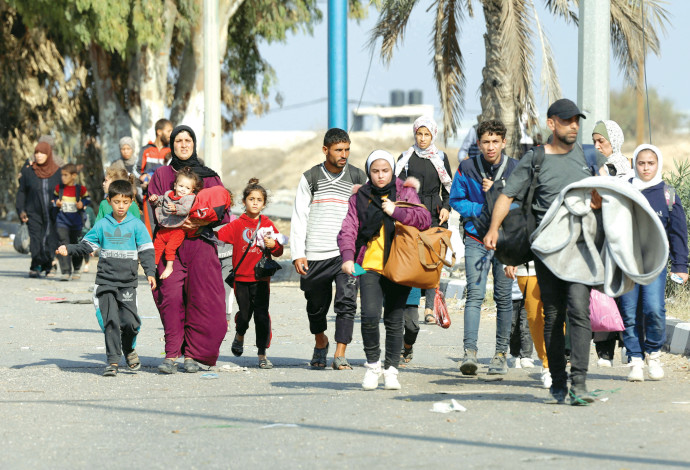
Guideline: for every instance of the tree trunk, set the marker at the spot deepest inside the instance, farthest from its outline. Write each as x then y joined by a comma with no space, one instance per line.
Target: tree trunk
497,97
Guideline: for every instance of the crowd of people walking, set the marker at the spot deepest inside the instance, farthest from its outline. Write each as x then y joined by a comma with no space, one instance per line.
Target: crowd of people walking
168,212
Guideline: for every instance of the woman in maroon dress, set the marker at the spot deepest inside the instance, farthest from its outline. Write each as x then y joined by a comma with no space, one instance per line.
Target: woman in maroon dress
191,302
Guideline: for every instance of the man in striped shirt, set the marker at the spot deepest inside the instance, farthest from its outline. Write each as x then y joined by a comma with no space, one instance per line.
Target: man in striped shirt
320,207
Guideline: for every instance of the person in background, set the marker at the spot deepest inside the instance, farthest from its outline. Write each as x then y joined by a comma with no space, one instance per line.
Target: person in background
115,172
469,148
127,148
644,308
37,181
520,338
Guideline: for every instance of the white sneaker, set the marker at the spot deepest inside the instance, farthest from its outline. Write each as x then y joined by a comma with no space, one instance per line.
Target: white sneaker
526,362
516,363
636,374
390,379
654,369
604,362
372,376
546,378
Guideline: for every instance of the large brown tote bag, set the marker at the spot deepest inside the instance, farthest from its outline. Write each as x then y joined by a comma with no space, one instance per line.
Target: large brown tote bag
417,257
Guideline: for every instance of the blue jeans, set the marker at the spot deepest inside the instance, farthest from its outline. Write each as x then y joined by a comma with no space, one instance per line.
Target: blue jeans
477,265
644,316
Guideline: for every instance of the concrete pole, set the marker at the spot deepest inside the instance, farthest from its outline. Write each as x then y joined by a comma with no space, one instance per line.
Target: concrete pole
337,64
212,132
639,124
594,41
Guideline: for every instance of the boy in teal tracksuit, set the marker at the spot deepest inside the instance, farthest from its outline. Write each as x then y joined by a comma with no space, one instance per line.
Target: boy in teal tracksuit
124,242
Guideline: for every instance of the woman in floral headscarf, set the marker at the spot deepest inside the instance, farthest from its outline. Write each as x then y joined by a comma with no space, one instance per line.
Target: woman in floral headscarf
431,167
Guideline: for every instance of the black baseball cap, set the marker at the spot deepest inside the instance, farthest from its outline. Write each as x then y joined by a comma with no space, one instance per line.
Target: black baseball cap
564,109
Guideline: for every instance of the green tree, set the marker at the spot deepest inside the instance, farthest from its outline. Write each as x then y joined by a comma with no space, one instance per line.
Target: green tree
507,88
664,117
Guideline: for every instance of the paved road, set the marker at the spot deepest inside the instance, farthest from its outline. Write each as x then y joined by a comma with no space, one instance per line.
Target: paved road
58,412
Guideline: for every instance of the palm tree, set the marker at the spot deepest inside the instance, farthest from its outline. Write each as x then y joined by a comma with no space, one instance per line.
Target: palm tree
507,90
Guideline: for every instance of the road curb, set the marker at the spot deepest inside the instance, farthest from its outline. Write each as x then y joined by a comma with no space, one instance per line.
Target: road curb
677,337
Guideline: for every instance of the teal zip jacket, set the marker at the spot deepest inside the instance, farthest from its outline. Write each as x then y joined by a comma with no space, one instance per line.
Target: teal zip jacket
123,245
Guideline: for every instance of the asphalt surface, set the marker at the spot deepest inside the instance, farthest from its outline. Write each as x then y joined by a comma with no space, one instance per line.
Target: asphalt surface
57,411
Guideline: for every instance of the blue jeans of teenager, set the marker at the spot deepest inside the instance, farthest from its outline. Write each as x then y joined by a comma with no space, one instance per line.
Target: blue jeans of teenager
644,317
478,261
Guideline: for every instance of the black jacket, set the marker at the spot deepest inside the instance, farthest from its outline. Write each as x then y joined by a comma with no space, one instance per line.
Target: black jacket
34,194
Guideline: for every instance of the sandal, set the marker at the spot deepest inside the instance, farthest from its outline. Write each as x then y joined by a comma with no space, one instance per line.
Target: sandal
190,366
237,347
133,361
265,364
429,316
406,354
340,363
110,371
318,360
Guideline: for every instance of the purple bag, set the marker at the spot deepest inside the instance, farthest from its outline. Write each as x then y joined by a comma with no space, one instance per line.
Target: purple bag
603,313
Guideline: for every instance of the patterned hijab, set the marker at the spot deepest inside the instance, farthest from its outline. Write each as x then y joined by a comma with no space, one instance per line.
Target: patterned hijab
614,134
430,153
637,182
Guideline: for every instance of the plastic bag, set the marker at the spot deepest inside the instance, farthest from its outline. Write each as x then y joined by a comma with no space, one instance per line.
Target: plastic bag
603,313
441,310
22,240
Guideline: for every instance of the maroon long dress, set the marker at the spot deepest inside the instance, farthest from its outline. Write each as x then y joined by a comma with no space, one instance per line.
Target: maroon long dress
191,302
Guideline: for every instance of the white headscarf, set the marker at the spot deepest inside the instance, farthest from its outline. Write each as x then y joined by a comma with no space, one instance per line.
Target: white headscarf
379,155
616,139
430,153
637,182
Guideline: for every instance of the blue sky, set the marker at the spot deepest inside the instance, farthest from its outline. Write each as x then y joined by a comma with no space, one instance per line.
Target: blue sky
302,69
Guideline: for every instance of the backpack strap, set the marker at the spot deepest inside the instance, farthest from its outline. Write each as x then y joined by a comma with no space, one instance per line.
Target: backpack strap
537,162
499,172
312,176
670,196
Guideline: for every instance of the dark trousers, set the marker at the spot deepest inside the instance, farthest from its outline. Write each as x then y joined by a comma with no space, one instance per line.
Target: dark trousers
377,293
67,236
520,337
252,299
43,242
116,310
559,296
318,290
411,324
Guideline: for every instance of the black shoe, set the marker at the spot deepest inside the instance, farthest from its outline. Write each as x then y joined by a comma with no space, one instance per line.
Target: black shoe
558,395
168,366
237,347
190,366
579,396
469,363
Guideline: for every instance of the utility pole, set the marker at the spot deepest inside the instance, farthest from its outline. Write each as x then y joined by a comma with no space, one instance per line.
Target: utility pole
212,132
594,40
639,127
337,64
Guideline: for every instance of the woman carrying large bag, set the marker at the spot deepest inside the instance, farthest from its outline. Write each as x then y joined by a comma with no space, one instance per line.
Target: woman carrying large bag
366,236
37,182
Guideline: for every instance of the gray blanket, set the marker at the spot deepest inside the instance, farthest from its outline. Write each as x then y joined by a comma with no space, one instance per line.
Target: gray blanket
623,245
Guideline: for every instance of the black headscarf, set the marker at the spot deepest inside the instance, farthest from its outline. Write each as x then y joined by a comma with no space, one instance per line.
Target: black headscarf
193,161
371,215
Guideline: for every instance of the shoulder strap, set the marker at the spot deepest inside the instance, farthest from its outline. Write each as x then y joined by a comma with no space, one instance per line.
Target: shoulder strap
670,196
312,176
251,242
537,161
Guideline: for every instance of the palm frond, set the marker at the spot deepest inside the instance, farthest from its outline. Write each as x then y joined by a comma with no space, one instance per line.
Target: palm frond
562,8
470,10
550,86
627,31
516,50
449,64
390,26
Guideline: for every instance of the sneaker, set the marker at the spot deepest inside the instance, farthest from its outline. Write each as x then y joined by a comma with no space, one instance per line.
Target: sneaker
579,396
190,366
516,363
390,379
76,275
527,362
558,395
603,362
636,365
498,365
546,381
654,369
372,376
64,277
469,365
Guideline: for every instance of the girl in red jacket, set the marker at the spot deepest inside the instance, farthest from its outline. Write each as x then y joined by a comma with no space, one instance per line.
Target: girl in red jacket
252,294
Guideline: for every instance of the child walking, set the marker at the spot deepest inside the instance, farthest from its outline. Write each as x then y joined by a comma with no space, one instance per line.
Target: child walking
172,210
70,199
124,241
250,235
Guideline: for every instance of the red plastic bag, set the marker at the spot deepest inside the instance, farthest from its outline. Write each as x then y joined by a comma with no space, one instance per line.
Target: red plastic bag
603,313
441,310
